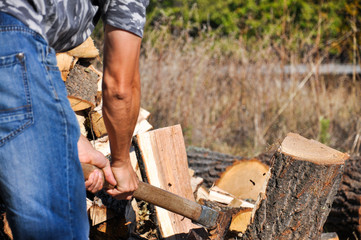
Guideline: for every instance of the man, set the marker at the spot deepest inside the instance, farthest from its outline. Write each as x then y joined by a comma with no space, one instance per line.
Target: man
41,179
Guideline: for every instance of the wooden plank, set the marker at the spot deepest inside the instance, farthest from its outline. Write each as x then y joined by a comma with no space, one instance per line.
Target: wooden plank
164,162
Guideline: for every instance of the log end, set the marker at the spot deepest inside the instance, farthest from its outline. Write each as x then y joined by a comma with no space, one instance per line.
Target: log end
304,149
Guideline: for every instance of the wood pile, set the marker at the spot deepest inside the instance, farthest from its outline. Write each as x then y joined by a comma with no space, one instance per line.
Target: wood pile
286,194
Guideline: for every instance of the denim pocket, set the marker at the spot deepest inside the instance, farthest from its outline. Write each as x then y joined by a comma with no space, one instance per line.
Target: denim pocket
15,103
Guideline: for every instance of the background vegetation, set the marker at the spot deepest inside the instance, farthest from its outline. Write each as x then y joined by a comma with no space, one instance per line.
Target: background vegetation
217,67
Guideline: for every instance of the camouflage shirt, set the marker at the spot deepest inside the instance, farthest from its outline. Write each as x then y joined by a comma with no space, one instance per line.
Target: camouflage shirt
67,23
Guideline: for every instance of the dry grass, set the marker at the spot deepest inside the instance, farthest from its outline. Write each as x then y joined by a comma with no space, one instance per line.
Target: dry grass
230,96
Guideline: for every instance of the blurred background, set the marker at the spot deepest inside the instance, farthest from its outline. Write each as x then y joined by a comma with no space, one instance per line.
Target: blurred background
239,75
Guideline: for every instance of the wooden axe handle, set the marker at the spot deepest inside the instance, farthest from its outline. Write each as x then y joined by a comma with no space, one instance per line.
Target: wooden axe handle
159,197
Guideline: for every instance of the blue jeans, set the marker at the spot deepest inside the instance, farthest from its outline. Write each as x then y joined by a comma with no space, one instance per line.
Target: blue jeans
41,181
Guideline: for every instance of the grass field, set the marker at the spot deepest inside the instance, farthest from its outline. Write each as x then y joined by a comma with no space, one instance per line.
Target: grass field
231,96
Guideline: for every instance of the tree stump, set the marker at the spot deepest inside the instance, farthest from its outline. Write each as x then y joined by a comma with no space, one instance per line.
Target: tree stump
302,183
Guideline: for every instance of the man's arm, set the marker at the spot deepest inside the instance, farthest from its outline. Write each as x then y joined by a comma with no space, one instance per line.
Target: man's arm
121,102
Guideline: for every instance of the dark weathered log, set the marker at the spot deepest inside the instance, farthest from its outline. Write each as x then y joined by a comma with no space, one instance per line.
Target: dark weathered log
303,182
345,216
209,165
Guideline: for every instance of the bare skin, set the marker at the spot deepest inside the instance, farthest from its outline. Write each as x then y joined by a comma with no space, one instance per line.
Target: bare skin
87,154
121,96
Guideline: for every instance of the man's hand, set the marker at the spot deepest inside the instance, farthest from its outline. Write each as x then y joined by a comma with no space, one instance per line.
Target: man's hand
127,182
87,154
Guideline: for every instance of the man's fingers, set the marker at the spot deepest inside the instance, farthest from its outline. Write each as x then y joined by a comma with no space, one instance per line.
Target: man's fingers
108,175
120,196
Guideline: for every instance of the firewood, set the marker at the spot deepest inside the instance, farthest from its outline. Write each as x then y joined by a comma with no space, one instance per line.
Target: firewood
98,213
82,83
98,125
219,195
241,220
85,50
301,187
329,236
244,179
81,120
202,193
78,104
65,63
163,161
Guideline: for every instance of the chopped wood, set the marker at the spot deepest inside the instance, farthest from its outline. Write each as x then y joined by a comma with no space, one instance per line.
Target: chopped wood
102,145
98,213
244,179
196,182
237,203
98,125
78,104
65,62
301,187
81,120
163,161
329,236
219,195
241,220
85,50
202,193
82,83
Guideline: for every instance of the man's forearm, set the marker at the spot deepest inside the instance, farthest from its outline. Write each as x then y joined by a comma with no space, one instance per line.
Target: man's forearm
121,90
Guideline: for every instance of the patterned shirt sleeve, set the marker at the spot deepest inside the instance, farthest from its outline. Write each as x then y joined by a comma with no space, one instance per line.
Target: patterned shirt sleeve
128,15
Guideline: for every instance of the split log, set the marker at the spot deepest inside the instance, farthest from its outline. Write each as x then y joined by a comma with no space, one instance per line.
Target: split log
329,236
241,220
82,83
65,63
98,125
244,179
85,50
163,161
301,187
78,104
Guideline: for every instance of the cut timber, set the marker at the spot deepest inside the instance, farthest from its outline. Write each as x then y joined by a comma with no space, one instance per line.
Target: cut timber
82,83
98,125
163,160
241,220
78,104
85,50
65,62
244,179
303,180
329,236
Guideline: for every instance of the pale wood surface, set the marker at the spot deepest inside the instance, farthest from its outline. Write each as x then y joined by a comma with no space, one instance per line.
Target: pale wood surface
310,150
244,179
241,220
85,50
166,167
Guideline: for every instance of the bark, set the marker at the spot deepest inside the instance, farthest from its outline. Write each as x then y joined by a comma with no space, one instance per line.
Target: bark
303,181
345,217
82,83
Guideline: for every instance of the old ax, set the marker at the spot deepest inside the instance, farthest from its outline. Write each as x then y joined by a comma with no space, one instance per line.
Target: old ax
216,221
